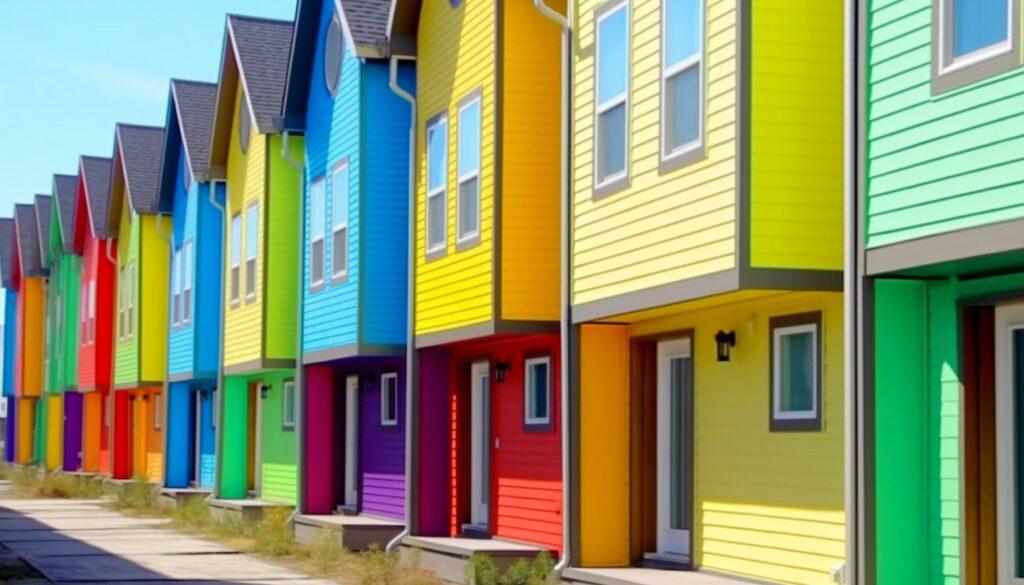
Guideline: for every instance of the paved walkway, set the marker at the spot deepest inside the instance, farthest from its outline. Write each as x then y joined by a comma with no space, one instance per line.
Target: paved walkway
80,541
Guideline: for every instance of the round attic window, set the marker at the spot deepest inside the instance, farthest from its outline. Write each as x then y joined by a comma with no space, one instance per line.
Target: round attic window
334,52
244,124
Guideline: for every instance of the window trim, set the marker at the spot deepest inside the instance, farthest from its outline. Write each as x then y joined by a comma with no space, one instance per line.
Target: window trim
531,423
251,297
158,417
472,238
614,183
176,287
235,294
802,420
342,276
441,250
318,285
670,160
187,282
384,421
950,72
285,424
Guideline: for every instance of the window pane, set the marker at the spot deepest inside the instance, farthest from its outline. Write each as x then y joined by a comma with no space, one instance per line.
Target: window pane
613,142
539,391
251,231
316,262
469,139
435,221
797,375
250,277
340,245
235,272
316,209
469,206
340,184
611,57
978,24
683,107
436,156
682,30
236,240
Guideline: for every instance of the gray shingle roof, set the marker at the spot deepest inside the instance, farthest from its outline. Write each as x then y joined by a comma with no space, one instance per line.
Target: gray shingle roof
367,21
6,246
44,207
262,48
141,155
65,188
28,239
195,104
96,173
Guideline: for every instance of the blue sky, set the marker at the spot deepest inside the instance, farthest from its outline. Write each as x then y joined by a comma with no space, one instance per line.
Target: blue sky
71,69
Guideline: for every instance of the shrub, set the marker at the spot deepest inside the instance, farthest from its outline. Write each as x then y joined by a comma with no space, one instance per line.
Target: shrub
274,536
192,514
481,570
138,496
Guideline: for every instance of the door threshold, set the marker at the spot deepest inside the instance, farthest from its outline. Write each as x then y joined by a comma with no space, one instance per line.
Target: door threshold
667,561
475,531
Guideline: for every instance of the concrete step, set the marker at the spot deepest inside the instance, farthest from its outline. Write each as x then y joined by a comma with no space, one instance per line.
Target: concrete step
356,532
448,557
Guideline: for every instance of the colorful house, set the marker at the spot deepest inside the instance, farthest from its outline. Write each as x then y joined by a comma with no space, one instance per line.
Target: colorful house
10,331
197,207
97,284
486,286
706,279
28,279
259,404
64,411
354,280
140,353
941,211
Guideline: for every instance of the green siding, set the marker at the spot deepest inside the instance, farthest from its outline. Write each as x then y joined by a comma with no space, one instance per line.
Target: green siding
62,334
282,249
126,360
279,473
938,163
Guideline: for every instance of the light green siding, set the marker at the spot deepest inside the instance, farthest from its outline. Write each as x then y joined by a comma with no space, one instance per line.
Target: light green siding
279,469
282,249
126,356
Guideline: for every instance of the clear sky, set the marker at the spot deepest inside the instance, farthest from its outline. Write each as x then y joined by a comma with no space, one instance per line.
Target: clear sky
71,69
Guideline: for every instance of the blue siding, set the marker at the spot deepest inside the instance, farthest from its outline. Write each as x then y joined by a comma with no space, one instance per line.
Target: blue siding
385,236
332,133
208,278
10,323
180,349
207,465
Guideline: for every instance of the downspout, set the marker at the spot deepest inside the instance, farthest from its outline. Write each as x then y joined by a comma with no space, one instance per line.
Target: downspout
218,436
565,23
111,409
300,387
410,362
167,385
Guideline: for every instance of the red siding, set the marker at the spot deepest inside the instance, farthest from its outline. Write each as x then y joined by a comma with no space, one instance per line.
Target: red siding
94,363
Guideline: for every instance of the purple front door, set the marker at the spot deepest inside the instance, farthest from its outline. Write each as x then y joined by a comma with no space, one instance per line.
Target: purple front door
72,431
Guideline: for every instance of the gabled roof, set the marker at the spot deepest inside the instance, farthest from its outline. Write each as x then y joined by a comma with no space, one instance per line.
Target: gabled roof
65,189
27,240
138,151
6,249
189,126
95,173
256,52
43,212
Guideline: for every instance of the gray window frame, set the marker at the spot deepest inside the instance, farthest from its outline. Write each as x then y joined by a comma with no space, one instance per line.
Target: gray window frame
287,425
536,423
249,209
318,285
603,187
948,72
813,423
470,239
671,160
442,250
342,276
384,421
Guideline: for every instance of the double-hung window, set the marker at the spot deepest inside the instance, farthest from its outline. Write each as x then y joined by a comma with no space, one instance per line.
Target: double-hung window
339,222
437,186
796,372
317,200
389,399
176,289
252,222
468,202
84,325
186,281
974,39
537,389
92,311
682,103
612,95
128,303
236,257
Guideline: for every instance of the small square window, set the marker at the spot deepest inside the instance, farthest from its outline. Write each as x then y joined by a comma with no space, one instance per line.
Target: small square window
796,373
973,40
537,388
389,399
289,407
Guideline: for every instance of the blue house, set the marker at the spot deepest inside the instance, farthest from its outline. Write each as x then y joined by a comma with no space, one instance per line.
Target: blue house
354,291
10,323
194,299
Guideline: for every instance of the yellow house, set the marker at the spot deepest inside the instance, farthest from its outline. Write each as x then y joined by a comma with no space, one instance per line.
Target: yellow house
706,286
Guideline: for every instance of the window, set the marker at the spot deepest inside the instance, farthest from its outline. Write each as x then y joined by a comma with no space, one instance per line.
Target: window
612,88
244,124
334,53
974,39
158,415
468,202
92,312
437,186
682,102
252,222
288,409
339,221
538,392
389,399
796,372
130,312
176,288
317,201
186,277
84,321
236,257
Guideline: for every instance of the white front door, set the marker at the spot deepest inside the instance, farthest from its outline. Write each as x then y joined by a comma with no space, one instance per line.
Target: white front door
351,440
1010,442
480,428
675,432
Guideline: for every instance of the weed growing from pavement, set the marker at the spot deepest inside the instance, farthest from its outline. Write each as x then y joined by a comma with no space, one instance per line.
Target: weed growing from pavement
481,570
31,482
138,497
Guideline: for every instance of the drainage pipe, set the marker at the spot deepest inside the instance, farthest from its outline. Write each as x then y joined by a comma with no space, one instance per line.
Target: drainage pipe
218,398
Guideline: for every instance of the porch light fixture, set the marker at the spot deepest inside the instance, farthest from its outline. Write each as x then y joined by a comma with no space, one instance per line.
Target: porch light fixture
724,341
368,383
500,369
264,391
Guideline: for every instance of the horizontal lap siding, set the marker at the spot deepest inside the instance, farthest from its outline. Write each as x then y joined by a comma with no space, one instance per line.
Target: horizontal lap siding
181,348
207,291
32,297
382,451
126,358
456,57
153,287
72,323
87,358
941,163
281,246
797,135
663,228
10,331
278,446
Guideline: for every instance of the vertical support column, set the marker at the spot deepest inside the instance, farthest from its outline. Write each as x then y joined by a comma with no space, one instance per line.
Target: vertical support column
320,453
122,447
180,435
92,419
234,455
10,431
72,431
53,439
26,429
433,463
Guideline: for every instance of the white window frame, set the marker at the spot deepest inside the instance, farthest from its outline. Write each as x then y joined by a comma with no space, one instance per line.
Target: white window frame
777,334
289,388
621,99
474,234
252,211
441,122
321,222
528,403
235,292
949,62
340,224
385,400
669,72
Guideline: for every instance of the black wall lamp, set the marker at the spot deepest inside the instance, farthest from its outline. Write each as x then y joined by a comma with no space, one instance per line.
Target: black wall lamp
264,391
500,370
368,383
724,341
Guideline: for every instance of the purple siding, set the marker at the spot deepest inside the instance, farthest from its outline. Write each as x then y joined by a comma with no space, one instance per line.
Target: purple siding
434,455
9,434
382,448
72,431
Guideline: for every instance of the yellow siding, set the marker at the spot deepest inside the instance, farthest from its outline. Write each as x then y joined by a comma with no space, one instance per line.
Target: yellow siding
604,446
32,331
457,53
663,228
769,505
246,171
153,271
26,428
530,207
797,135
54,430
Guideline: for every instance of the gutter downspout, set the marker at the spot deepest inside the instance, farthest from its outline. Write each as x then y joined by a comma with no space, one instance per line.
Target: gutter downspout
849,572
111,393
565,23
300,386
218,436
167,384
410,350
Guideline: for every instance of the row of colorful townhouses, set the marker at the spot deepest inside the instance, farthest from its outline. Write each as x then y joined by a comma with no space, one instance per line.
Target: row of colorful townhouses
733,288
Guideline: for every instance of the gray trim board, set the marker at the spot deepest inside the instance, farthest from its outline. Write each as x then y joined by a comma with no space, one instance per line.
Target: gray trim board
997,238
791,279
139,385
180,377
258,366
352,350
485,329
666,294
